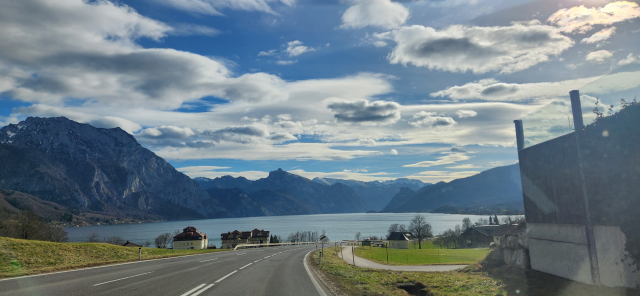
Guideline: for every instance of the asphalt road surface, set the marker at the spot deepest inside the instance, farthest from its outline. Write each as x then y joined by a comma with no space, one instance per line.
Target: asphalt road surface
262,271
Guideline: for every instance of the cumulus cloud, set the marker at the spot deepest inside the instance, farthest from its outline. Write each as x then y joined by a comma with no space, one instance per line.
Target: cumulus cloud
361,111
465,167
238,134
448,158
285,63
267,53
628,60
599,36
431,119
213,7
580,19
598,56
171,136
476,49
466,113
376,13
282,137
394,151
295,48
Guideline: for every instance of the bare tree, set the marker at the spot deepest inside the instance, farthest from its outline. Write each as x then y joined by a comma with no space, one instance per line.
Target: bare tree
357,236
93,238
458,229
482,221
163,240
56,234
147,243
29,226
115,240
420,229
466,223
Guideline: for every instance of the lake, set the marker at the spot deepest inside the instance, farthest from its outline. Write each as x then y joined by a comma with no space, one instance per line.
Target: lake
337,226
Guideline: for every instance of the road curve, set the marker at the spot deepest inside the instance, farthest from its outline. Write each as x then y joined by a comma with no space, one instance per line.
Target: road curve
262,271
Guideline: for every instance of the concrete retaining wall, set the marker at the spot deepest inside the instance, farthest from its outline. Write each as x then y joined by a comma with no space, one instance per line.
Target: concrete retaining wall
561,250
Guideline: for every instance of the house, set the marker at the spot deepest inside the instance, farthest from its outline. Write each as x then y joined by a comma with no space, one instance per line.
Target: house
483,236
259,236
232,239
399,240
190,239
130,244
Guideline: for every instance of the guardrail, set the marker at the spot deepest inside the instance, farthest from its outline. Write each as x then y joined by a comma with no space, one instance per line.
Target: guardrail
270,245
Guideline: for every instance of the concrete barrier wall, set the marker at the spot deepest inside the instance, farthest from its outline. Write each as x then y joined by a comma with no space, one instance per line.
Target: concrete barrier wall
562,250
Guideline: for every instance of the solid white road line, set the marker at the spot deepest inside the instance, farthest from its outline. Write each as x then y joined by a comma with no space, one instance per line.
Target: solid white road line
245,266
203,289
192,290
123,278
315,283
226,276
208,260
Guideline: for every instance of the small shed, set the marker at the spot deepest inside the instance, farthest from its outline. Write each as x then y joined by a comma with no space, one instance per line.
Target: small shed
400,240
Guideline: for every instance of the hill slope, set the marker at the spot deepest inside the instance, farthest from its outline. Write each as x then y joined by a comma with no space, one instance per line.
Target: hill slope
494,186
103,170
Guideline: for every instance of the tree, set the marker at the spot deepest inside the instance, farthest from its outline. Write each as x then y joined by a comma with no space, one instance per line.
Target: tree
392,228
482,221
115,240
358,235
466,223
56,234
420,229
163,240
29,225
93,238
147,243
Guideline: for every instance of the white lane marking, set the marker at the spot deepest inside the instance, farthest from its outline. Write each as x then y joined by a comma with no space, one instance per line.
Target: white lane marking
96,267
123,278
256,261
246,265
226,276
315,283
203,289
240,254
192,290
208,260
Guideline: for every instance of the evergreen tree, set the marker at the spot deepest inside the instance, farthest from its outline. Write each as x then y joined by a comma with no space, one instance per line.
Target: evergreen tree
495,219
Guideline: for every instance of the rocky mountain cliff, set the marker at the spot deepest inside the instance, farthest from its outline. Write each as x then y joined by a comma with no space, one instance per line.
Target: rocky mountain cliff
376,193
494,186
318,198
104,170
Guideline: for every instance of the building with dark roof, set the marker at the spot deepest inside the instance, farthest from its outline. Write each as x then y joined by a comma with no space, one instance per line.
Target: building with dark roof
483,236
190,239
130,244
400,240
232,239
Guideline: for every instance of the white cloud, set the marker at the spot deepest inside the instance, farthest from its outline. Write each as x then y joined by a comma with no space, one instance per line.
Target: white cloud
477,49
267,53
213,172
376,13
363,112
438,176
394,151
581,19
213,7
466,113
465,167
282,137
284,116
448,158
599,36
494,90
598,56
295,48
431,119
360,175
628,60
285,63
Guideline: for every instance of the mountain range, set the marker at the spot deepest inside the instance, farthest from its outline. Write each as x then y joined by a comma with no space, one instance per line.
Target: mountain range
500,185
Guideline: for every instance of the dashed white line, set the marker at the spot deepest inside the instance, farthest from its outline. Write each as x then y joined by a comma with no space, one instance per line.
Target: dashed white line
192,290
203,289
246,265
226,276
123,278
208,260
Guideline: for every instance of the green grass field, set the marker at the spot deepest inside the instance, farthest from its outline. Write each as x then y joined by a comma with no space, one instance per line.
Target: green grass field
363,281
22,257
429,254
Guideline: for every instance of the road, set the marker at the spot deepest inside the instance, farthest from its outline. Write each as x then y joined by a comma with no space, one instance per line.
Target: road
262,271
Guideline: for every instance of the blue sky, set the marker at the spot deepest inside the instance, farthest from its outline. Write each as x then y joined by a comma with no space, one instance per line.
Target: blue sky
356,89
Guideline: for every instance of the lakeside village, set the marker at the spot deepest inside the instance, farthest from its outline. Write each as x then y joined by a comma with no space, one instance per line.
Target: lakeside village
483,234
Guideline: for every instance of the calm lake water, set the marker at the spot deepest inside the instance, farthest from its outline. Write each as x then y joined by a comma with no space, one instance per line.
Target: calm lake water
337,226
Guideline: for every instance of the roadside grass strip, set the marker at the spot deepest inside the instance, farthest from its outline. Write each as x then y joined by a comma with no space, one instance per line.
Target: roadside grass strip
124,278
421,257
364,281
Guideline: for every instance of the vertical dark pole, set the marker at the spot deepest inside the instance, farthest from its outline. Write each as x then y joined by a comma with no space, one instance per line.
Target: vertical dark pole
576,109
387,247
519,134
353,256
139,254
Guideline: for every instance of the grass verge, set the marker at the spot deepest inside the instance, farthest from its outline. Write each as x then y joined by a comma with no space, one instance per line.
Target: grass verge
23,257
421,256
363,281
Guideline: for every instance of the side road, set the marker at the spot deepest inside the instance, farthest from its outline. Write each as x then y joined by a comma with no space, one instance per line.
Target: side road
348,256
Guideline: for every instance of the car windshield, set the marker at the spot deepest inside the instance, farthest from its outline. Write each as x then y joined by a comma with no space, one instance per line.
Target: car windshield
330,147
